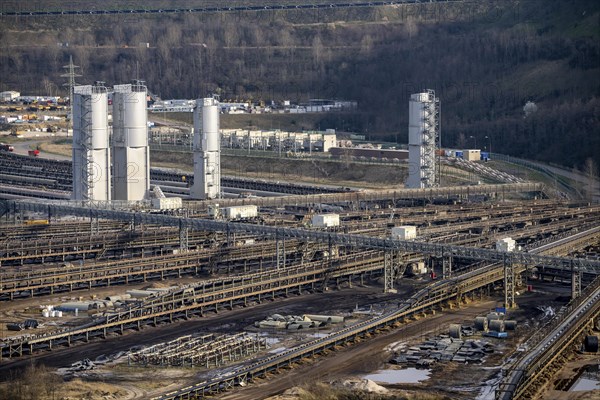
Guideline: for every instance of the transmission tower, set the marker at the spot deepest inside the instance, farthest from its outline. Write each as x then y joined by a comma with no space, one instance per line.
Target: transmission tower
70,75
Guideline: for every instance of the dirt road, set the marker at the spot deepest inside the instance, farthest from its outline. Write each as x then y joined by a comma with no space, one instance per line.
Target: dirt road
234,320
355,360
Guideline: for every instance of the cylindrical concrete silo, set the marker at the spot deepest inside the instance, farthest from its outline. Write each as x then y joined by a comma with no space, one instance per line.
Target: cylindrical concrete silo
423,138
91,153
207,150
131,155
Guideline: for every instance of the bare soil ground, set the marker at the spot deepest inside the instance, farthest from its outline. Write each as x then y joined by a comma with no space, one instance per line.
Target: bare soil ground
447,381
568,371
370,176
368,356
21,309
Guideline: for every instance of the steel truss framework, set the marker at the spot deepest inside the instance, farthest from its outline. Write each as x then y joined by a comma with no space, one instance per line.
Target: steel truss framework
332,238
29,12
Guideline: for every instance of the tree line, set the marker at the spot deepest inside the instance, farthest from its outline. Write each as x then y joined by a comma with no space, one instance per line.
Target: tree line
485,61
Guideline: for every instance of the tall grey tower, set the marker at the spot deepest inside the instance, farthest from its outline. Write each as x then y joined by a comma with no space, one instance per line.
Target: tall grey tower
423,139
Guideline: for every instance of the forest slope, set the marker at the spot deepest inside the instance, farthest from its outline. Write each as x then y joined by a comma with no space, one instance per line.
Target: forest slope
485,60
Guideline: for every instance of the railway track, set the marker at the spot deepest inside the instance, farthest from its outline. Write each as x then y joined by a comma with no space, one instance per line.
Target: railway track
56,175
425,298
239,290
522,380
40,281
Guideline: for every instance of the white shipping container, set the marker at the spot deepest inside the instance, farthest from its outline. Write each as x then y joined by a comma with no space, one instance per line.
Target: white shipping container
405,232
240,212
167,203
506,245
325,220
472,155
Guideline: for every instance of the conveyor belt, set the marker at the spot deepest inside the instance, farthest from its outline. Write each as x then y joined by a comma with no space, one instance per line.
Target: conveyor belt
431,295
356,241
523,378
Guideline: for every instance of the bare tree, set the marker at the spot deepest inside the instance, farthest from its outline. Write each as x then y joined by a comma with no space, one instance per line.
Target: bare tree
591,171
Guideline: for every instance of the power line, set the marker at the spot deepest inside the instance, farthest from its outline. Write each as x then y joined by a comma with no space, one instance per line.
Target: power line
70,75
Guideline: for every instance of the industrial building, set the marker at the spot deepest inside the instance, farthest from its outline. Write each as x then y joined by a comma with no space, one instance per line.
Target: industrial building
279,140
207,151
9,95
423,139
131,156
91,153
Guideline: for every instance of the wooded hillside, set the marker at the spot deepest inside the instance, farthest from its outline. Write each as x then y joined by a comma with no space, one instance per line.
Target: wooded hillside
485,60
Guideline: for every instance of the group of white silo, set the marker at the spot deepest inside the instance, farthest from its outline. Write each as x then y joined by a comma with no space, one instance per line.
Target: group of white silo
129,153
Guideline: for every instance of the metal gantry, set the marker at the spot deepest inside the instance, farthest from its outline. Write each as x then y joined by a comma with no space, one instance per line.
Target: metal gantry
509,284
332,238
224,8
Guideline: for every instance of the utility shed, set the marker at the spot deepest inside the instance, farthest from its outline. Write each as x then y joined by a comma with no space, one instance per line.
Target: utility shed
240,212
167,203
405,232
9,95
472,155
325,220
506,245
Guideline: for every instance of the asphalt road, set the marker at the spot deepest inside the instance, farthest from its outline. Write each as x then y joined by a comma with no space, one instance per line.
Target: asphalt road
24,147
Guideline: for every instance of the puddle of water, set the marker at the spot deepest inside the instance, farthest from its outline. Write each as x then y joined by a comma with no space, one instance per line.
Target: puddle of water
588,380
391,376
584,384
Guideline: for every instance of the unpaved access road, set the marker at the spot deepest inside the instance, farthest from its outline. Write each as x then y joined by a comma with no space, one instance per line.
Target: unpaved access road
358,359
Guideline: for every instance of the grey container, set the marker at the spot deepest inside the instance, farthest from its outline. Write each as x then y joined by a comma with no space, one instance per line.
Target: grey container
496,325
481,324
455,331
510,325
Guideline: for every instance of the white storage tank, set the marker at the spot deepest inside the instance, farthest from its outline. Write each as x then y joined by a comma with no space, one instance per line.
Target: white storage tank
506,245
325,220
131,156
207,150
240,212
167,203
91,153
405,232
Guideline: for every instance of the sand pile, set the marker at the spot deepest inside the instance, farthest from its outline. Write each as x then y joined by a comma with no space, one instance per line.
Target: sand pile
366,385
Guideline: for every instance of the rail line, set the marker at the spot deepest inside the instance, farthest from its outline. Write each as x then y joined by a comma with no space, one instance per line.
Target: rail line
425,298
236,290
321,195
331,238
35,282
57,175
524,377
